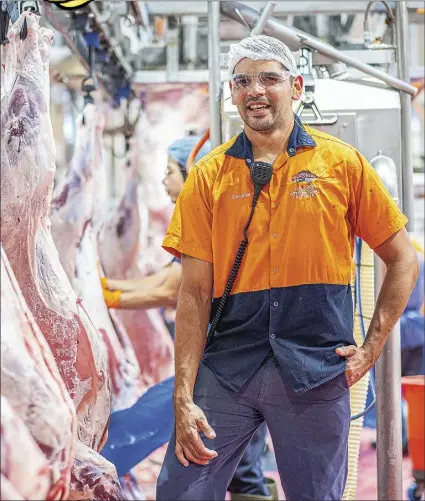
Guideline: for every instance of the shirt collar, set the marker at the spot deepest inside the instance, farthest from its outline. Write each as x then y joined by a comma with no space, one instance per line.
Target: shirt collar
299,137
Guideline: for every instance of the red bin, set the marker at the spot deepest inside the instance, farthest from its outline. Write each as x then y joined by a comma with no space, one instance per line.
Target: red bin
414,393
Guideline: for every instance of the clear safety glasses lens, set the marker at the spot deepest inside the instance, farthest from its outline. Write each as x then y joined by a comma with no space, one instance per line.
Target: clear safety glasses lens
265,79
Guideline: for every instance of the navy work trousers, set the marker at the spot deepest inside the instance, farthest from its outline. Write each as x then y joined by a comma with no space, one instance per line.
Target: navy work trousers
309,434
249,477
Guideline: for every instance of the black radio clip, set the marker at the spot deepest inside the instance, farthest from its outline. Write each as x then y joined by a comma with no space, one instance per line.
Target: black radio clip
261,174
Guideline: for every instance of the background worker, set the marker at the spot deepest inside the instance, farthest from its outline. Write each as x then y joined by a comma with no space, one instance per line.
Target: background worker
412,324
283,352
161,290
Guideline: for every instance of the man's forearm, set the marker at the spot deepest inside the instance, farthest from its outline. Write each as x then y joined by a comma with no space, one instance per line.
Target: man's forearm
151,298
399,281
144,283
192,318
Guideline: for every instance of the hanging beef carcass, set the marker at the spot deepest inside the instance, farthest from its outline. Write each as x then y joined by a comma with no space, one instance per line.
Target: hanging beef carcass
119,255
27,174
125,361
131,487
119,250
77,209
25,473
33,387
93,477
170,112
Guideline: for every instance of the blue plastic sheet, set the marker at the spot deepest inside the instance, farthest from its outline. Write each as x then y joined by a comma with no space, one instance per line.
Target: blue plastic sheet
136,432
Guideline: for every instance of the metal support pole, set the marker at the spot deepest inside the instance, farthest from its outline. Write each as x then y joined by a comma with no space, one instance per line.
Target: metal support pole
388,375
402,30
214,71
262,20
388,409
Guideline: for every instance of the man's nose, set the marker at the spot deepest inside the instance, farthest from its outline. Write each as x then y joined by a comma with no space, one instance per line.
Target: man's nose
256,89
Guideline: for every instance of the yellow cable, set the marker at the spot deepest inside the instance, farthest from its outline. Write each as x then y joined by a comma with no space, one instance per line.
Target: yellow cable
358,392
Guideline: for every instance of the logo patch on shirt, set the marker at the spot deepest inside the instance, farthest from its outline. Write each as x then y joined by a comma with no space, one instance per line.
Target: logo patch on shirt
305,176
242,195
308,191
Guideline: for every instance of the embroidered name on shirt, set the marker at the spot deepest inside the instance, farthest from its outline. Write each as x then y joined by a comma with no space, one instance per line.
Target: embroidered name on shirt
242,195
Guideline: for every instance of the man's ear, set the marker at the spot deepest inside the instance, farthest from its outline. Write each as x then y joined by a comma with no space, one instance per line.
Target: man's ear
297,88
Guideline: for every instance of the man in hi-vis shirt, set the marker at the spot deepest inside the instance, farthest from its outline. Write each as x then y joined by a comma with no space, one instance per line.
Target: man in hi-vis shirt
283,351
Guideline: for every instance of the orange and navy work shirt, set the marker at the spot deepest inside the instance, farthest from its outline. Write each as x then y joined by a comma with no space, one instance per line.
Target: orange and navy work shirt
292,295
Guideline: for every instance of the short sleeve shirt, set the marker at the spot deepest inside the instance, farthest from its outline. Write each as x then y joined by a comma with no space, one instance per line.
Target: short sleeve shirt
292,294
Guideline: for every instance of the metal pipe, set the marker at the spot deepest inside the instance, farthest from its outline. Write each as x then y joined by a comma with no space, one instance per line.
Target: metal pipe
402,31
296,39
388,375
262,20
388,409
214,71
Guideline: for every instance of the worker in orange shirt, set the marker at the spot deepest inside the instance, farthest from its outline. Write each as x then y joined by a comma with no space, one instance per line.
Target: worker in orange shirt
268,220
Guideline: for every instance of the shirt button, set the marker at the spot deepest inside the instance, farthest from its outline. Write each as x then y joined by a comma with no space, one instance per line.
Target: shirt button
272,336
274,235
275,303
275,270
291,150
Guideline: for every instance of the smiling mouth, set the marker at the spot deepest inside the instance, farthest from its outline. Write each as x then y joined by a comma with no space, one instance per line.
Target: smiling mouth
258,107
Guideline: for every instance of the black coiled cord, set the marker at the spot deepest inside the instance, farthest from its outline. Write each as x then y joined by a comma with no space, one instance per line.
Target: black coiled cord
235,268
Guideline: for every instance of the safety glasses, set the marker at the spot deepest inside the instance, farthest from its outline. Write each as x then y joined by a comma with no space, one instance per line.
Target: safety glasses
264,78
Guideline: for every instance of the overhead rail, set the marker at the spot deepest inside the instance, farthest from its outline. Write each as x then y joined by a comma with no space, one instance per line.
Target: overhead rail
72,27
292,7
110,39
102,41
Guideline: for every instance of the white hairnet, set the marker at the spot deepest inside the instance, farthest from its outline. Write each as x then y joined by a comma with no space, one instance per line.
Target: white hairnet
262,47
